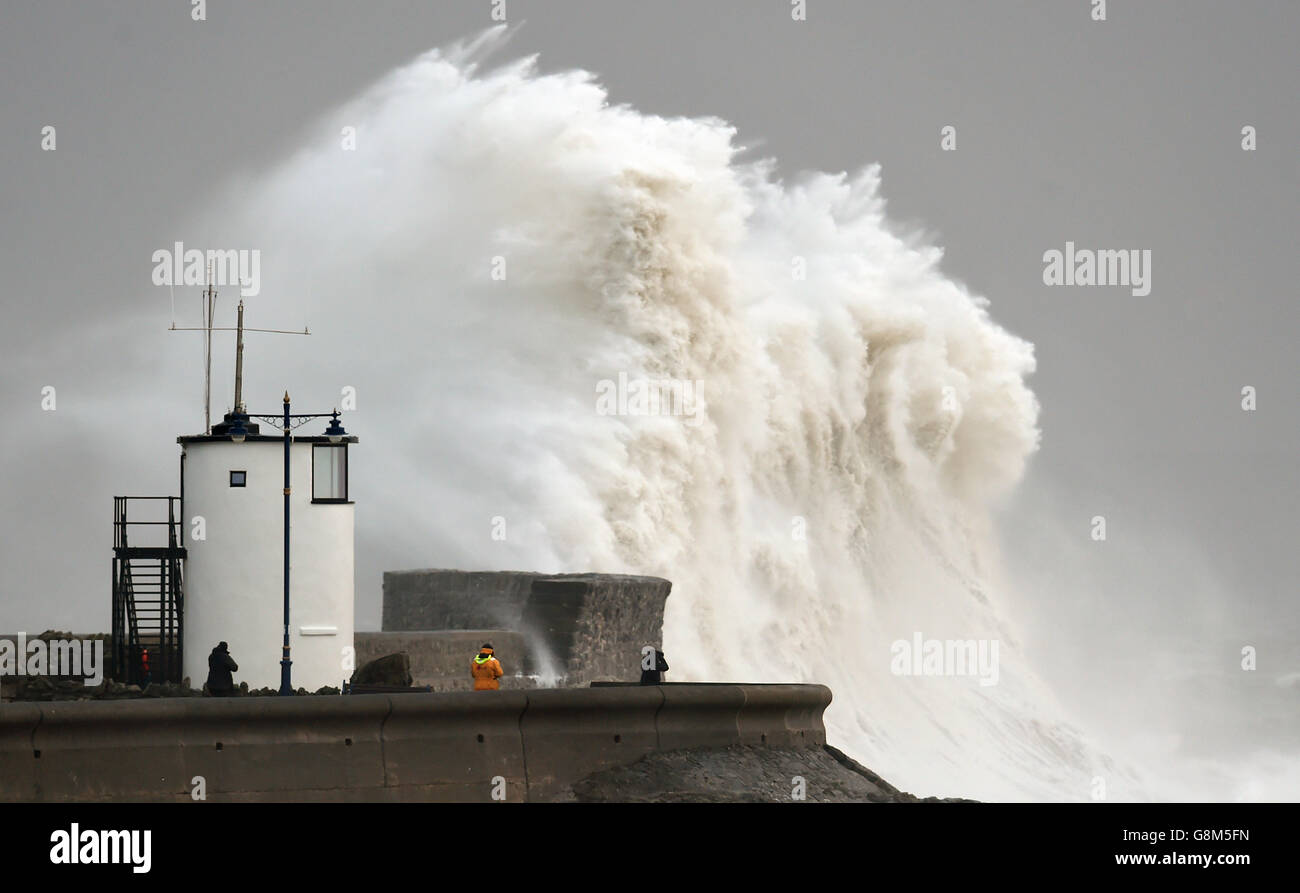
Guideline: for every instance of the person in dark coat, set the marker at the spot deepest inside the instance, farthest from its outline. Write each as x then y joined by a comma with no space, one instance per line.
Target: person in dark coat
656,675
220,666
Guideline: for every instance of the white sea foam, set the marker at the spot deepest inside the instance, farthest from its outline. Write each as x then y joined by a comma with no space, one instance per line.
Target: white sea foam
858,423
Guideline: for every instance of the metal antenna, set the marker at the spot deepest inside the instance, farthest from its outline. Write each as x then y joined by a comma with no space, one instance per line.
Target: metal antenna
210,304
209,316
239,362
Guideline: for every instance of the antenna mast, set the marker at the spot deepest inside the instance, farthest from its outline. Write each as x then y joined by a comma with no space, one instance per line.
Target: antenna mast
209,308
209,299
239,361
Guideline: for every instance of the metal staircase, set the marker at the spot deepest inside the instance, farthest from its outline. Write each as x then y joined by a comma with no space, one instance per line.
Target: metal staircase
148,608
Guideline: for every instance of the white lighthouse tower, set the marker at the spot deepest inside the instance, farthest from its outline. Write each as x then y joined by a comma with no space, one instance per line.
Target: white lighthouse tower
258,550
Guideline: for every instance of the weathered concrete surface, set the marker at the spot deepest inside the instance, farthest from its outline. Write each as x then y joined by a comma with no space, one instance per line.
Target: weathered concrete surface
577,628
441,658
451,747
569,738
243,748
458,746
439,598
593,626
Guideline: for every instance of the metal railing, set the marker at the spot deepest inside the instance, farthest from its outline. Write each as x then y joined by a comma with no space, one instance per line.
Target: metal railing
148,608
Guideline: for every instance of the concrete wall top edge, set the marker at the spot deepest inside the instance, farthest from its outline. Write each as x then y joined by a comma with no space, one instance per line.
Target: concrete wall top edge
206,710
464,704
447,633
584,575
593,698
456,570
317,707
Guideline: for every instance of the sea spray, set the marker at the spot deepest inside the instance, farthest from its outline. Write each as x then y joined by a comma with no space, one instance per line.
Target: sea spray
483,248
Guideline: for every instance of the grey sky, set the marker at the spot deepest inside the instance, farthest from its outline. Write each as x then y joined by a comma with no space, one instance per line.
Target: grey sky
1120,134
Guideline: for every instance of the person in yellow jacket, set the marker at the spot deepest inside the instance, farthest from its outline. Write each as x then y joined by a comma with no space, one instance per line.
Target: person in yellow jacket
486,670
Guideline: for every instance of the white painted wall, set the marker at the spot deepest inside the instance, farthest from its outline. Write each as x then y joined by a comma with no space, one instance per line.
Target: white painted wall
234,578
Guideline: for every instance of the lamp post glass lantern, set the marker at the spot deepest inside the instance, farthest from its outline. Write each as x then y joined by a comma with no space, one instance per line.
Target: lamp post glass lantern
335,433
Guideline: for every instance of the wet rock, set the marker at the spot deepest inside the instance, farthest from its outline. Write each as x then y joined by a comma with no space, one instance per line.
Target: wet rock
391,669
739,774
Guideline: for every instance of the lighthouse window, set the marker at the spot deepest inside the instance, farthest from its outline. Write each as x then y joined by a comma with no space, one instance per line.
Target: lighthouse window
329,473
238,478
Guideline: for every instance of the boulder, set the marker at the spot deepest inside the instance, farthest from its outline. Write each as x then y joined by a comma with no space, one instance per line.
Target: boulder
391,669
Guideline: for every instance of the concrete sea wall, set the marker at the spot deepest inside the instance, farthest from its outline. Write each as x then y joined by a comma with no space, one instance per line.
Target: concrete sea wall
576,628
459,746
